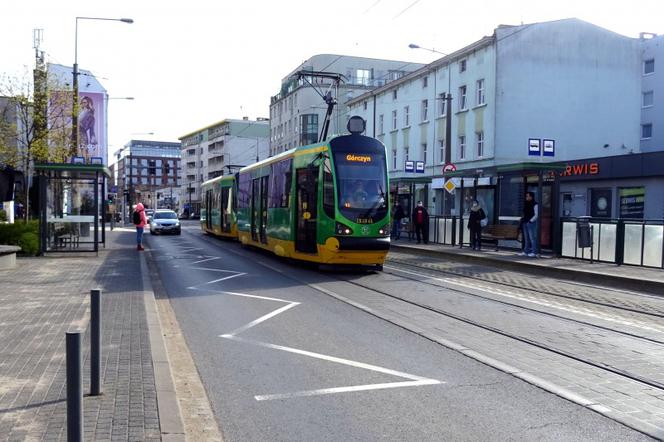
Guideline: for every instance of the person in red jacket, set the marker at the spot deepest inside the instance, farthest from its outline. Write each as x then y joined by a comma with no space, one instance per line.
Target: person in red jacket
420,220
140,225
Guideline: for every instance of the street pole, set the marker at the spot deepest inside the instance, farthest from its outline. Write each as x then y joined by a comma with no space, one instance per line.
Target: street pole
448,147
74,107
75,73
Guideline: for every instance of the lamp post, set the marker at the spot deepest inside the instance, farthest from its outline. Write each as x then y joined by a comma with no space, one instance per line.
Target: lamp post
447,203
74,109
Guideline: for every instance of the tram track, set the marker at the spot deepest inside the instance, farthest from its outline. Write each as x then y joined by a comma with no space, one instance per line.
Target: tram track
560,352
534,310
586,299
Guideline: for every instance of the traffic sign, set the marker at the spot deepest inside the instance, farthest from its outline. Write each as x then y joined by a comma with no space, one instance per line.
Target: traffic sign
449,186
449,167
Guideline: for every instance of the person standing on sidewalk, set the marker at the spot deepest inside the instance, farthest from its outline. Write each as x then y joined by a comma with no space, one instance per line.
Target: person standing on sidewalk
420,219
397,215
529,222
140,221
475,225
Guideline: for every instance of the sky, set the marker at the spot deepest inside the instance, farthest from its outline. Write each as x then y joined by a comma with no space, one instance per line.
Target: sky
191,63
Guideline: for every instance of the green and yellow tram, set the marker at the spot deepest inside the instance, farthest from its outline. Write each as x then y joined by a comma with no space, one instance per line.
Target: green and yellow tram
218,214
326,203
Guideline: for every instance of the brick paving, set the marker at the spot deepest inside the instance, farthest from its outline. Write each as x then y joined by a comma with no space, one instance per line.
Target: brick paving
40,300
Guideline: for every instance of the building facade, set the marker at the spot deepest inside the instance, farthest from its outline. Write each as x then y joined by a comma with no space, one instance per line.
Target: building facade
652,93
219,149
297,112
540,93
146,171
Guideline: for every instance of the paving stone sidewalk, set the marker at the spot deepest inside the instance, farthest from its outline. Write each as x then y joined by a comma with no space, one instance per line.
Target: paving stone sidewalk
40,300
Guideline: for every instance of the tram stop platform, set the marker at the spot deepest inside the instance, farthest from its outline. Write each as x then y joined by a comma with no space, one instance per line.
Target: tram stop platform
626,277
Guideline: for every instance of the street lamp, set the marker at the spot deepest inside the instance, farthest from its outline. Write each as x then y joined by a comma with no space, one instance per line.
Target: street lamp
74,110
447,201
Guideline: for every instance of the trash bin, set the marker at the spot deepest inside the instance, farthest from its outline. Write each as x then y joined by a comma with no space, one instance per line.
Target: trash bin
583,234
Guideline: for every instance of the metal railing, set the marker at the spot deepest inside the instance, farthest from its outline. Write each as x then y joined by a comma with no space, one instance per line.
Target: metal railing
619,241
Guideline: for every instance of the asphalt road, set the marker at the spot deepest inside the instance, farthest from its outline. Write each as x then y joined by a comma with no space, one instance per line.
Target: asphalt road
281,360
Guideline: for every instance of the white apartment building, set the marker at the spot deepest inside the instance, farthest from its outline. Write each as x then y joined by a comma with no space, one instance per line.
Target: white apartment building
297,111
652,93
570,83
218,149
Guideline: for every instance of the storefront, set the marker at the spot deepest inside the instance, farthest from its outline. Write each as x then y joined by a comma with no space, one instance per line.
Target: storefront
71,204
625,187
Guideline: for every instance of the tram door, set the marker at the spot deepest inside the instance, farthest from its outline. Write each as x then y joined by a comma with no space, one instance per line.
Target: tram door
307,204
226,197
263,210
255,208
208,209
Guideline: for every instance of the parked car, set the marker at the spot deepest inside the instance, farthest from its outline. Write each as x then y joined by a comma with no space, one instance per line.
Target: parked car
149,213
165,221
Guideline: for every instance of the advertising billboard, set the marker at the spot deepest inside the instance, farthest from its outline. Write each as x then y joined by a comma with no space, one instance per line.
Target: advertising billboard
91,116
91,127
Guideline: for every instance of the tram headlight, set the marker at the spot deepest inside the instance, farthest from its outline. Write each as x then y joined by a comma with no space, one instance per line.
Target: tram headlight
342,229
385,230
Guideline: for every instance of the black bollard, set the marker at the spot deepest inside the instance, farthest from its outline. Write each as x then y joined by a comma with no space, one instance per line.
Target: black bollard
74,388
95,342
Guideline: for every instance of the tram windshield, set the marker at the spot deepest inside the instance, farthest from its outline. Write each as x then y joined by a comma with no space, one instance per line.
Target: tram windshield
361,185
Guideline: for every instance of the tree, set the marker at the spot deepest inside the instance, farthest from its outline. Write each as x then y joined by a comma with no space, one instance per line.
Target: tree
35,125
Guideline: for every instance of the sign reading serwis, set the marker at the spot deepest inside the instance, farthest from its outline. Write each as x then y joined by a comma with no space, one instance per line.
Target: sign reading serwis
358,158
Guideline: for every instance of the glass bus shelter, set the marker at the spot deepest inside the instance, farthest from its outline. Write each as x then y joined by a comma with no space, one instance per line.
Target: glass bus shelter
71,207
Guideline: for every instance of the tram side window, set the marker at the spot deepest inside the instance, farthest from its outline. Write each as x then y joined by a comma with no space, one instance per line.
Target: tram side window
280,184
285,197
328,190
244,191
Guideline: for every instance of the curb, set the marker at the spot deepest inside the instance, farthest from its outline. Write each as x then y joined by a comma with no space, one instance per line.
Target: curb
170,417
578,275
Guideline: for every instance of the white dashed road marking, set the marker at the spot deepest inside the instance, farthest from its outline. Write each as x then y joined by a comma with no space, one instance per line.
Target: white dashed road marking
413,380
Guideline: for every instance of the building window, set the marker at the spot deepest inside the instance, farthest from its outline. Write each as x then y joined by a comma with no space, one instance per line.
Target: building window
394,120
425,110
646,131
381,124
649,66
308,129
462,98
406,116
405,153
648,98
152,167
479,136
462,66
425,82
480,91
362,76
424,152
394,159
462,147
441,104
441,148
394,94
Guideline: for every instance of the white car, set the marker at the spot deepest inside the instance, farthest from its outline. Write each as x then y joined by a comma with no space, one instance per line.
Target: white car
165,221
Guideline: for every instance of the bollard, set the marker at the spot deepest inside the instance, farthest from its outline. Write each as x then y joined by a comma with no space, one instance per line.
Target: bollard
95,342
74,387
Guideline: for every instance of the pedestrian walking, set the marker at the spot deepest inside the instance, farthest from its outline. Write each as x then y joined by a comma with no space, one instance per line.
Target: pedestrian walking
397,215
475,225
140,221
529,223
420,219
